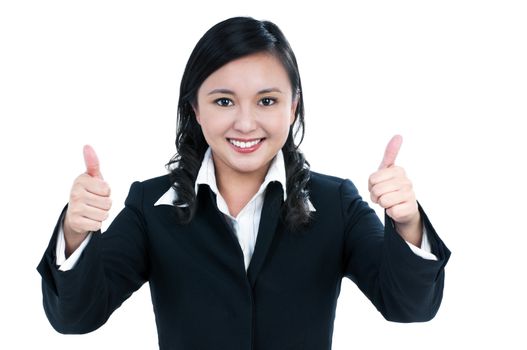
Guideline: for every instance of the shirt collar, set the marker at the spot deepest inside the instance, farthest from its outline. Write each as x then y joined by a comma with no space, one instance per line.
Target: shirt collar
207,176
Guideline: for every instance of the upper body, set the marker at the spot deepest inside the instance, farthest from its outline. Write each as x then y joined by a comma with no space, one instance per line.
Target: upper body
241,98
199,285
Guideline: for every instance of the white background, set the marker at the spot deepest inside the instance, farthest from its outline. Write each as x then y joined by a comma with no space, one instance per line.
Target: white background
450,76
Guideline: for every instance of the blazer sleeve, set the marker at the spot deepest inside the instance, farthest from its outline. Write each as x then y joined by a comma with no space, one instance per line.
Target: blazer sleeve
403,286
112,266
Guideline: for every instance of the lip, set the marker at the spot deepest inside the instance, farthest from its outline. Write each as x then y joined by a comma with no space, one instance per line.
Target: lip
245,140
248,149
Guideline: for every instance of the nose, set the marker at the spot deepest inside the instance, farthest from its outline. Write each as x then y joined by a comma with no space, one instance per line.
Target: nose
245,121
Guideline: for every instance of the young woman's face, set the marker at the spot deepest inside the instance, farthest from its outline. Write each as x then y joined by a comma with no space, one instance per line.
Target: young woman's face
245,110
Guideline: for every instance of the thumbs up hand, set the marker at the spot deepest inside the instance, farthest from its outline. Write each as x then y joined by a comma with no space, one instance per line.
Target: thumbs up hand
92,162
89,203
391,189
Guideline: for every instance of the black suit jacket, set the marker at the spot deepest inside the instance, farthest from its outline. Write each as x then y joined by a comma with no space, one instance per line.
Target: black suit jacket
203,297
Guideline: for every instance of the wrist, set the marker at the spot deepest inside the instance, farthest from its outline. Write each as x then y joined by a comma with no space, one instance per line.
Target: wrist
72,239
412,230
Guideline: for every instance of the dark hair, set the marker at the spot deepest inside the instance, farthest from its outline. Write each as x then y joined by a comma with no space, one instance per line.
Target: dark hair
226,41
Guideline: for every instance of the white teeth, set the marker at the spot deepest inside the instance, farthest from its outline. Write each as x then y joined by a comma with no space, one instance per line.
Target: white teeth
242,144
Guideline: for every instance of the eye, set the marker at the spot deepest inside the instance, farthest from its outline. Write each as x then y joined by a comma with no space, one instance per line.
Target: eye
268,101
224,102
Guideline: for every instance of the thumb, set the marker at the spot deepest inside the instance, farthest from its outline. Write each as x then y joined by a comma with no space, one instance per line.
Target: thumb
392,149
92,162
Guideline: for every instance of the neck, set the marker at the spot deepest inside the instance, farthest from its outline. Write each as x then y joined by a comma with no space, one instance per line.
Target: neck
229,180
238,188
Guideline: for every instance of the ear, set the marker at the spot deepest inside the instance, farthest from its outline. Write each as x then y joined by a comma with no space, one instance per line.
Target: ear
196,113
294,105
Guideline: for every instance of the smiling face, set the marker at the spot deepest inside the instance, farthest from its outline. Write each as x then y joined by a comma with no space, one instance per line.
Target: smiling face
245,110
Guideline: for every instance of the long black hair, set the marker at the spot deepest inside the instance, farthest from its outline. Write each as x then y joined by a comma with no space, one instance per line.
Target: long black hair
226,41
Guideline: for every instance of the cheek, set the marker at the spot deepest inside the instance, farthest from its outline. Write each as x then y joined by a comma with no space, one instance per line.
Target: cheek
281,127
289,118
213,126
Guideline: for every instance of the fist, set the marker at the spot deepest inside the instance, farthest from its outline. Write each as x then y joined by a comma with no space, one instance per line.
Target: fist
391,189
89,202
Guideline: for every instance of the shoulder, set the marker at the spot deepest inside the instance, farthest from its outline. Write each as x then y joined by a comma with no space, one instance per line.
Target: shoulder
328,182
318,179
162,182
327,187
151,190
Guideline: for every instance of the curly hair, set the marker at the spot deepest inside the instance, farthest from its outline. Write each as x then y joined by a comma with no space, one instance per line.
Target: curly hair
226,41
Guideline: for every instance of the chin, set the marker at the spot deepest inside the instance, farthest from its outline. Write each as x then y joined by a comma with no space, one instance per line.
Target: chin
249,168
248,165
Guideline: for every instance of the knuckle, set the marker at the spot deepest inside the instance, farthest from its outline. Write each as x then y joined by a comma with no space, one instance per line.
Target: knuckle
398,171
81,180
73,211
78,179
105,203
75,195
372,179
105,188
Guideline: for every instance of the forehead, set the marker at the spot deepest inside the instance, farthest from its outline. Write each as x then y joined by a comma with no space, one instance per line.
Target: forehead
254,72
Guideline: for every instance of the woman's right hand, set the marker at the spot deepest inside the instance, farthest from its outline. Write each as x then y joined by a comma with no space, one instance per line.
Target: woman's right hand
89,203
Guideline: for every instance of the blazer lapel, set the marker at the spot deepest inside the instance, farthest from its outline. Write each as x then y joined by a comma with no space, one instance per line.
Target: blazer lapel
266,230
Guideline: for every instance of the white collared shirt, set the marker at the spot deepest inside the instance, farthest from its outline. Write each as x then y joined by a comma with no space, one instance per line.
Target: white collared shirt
245,224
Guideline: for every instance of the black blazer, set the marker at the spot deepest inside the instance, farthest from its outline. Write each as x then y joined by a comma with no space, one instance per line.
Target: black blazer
204,299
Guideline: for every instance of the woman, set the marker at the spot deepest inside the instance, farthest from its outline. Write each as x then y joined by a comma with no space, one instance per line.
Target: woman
242,245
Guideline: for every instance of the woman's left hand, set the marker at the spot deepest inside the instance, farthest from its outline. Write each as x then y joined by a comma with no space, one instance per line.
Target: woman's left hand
391,189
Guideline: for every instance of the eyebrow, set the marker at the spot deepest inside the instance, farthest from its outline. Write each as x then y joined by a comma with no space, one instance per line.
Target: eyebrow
230,92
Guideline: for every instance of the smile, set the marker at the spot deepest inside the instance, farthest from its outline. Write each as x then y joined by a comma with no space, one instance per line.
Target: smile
246,146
